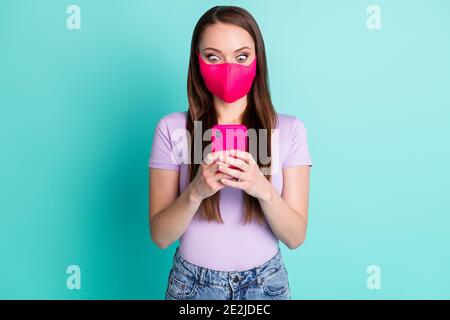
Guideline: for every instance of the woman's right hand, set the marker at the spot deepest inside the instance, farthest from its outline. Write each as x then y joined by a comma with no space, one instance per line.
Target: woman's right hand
207,181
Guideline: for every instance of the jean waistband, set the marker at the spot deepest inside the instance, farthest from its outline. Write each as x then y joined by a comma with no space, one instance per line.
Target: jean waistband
224,278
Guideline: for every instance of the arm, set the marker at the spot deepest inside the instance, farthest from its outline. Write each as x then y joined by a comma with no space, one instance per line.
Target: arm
287,214
170,214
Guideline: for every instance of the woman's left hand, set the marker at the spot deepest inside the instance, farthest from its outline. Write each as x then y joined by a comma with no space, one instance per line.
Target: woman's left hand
249,176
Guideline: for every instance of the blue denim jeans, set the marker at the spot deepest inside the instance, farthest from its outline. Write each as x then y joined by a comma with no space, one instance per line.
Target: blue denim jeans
268,281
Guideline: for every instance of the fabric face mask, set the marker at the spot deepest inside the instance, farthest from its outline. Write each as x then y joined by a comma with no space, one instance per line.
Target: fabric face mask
228,81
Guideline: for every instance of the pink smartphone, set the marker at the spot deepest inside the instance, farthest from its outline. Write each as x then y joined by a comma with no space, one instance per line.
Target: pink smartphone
229,137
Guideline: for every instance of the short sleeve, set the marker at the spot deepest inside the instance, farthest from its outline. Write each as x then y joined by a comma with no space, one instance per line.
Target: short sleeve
298,154
161,152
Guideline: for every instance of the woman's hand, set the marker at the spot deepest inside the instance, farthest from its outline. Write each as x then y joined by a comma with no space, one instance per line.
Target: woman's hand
208,179
249,176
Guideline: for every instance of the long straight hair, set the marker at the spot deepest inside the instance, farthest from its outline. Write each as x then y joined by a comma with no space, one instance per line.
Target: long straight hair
259,112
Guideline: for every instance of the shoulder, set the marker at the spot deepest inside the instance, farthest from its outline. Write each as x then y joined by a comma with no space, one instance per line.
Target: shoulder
174,120
289,123
293,141
171,128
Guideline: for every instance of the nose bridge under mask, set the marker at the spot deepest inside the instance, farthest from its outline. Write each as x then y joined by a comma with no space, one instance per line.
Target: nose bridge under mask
229,76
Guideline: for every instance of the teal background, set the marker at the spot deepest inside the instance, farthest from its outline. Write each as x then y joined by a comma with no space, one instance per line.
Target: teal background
78,111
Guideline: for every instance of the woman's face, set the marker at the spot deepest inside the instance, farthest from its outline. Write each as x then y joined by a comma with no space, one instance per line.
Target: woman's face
226,43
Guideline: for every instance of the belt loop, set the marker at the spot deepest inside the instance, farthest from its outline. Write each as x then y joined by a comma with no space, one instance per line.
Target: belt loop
202,276
258,276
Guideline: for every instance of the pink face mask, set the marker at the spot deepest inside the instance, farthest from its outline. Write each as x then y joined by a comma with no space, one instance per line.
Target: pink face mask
228,81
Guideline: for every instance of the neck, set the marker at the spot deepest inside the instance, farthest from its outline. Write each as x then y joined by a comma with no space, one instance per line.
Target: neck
230,113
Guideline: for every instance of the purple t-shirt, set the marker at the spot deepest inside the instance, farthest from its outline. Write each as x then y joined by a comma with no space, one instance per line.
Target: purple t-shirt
231,246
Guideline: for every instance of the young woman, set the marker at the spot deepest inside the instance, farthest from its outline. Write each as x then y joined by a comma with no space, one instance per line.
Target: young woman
227,213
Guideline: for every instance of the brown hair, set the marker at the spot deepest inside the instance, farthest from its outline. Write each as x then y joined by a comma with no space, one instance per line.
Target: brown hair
259,113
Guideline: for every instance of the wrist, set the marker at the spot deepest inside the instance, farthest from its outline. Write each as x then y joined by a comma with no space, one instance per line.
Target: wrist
267,193
193,196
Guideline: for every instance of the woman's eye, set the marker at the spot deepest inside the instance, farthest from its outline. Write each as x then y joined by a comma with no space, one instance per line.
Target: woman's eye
242,58
213,58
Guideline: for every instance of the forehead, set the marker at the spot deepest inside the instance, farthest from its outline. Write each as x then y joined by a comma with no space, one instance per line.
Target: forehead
225,37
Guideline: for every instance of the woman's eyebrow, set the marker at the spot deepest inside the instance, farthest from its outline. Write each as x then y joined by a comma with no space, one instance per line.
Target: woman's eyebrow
213,49
217,50
244,47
